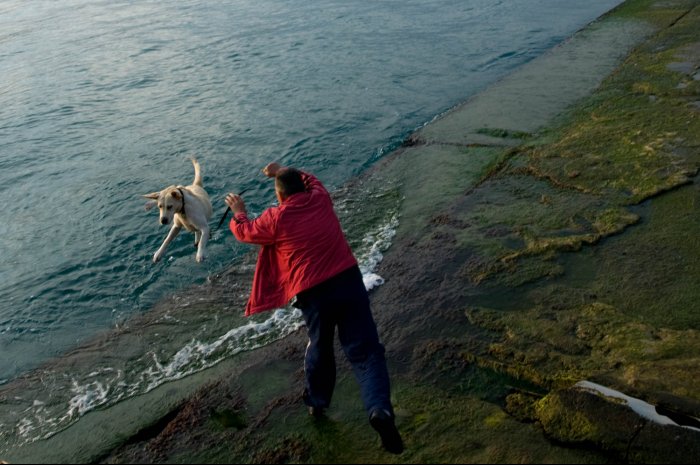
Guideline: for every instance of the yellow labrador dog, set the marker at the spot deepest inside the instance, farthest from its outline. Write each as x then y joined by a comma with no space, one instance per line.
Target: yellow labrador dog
186,207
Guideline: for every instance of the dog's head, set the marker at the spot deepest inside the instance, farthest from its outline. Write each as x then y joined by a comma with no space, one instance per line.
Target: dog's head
169,201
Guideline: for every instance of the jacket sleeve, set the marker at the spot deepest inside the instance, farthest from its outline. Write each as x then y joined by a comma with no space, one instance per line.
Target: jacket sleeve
312,183
261,230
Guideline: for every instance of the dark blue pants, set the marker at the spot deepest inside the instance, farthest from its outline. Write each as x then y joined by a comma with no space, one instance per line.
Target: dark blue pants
342,302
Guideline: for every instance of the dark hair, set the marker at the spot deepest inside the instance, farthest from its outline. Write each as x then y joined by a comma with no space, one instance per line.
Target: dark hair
289,182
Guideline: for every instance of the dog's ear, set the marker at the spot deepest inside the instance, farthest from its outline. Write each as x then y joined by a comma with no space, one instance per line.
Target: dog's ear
176,195
153,196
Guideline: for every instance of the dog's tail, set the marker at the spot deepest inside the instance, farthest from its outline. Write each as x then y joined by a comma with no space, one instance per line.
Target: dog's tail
197,173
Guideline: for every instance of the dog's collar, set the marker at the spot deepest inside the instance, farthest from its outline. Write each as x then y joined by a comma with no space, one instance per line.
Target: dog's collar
182,209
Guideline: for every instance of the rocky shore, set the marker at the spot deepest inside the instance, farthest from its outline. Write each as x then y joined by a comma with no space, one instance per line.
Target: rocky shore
547,246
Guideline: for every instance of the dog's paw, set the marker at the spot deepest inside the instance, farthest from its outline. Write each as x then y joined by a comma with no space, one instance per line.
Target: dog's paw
156,257
201,258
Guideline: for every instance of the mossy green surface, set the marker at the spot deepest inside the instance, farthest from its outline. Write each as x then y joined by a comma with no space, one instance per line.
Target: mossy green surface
634,137
619,148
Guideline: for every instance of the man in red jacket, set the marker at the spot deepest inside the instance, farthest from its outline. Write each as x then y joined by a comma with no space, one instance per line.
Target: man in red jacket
306,259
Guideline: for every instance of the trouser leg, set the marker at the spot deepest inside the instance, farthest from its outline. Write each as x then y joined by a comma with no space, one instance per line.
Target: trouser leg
319,360
369,366
358,336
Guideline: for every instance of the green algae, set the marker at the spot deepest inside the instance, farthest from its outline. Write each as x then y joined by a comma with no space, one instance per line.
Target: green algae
624,141
606,223
557,417
572,416
556,347
661,14
651,273
460,428
616,149
510,218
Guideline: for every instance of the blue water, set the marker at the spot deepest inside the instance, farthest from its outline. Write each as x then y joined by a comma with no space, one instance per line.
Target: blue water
102,101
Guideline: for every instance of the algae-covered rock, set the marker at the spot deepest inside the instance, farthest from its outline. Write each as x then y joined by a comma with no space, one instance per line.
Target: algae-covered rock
555,343
579,415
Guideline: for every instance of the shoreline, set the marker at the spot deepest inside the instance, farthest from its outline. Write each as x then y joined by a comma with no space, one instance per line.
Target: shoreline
446,353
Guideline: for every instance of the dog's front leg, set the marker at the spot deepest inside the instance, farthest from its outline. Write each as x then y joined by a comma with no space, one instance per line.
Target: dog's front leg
174,231
201,247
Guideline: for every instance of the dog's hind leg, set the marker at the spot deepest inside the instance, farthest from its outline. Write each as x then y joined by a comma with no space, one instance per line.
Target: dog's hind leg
197,173
174,231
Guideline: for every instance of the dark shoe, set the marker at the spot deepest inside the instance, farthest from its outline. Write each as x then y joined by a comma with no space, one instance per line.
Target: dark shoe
317,412
383,422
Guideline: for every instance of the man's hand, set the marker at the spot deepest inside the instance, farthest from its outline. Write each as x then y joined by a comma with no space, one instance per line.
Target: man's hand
271,169
235,203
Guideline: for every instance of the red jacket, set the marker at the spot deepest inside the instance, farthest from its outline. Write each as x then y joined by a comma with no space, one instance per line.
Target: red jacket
302,246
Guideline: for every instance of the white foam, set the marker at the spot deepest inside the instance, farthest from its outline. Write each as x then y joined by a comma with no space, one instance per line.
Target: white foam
25,426
86,397
372,280
198,355
375,243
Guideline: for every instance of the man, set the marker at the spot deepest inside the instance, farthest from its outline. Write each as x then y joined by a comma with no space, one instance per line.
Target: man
306,259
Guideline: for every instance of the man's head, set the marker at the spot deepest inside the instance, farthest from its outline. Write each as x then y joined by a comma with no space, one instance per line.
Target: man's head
288,182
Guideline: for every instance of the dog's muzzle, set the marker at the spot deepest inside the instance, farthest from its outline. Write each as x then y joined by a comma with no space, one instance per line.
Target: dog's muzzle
164,220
